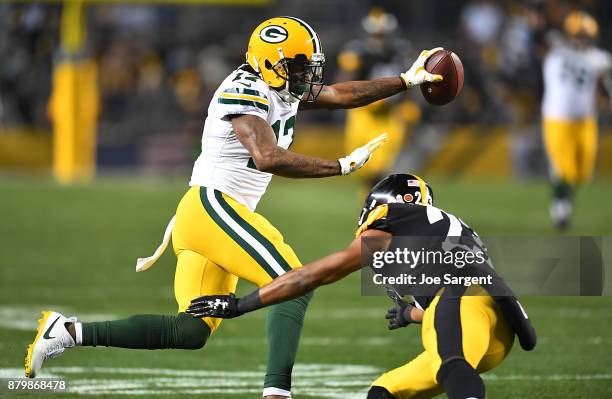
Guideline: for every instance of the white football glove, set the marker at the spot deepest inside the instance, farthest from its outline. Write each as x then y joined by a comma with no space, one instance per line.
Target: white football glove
361,155
417,74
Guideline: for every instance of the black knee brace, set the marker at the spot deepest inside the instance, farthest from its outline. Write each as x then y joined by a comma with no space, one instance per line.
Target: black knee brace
562,190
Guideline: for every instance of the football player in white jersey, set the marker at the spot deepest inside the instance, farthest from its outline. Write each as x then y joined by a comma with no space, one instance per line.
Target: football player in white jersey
217,235
573,67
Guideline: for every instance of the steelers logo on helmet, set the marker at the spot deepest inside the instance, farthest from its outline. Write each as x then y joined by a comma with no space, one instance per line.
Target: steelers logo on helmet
273,34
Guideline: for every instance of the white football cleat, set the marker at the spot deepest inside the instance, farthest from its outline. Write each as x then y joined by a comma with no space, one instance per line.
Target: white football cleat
561,213
52,338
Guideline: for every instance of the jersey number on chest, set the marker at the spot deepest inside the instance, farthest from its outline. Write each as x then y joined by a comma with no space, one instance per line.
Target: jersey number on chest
574,72
284,139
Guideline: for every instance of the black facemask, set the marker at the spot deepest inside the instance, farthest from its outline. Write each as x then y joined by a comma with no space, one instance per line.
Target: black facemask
303,76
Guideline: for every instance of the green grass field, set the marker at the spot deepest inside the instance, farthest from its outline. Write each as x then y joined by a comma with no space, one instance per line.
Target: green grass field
74,249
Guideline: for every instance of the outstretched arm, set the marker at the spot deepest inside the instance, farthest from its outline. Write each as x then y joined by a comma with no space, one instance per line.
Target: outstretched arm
355,94
359,93
323,271
292,284
258,138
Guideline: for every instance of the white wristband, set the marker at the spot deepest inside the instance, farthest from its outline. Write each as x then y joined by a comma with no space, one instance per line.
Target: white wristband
345,166
408,83
78,333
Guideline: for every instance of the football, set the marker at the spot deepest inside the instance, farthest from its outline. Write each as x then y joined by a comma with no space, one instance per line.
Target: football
447,64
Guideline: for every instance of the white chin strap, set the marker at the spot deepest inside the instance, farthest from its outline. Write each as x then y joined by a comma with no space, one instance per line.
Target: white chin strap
286,89
256,64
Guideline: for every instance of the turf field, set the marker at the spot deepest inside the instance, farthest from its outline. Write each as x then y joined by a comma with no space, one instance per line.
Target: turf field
74,249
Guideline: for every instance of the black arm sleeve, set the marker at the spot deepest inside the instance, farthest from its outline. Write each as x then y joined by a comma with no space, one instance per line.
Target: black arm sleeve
249,303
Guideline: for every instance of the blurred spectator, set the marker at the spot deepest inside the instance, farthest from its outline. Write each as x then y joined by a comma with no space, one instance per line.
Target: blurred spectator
380,53
27,41
160,64
520,83
482,20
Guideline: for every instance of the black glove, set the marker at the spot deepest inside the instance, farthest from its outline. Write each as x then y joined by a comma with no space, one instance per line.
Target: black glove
399,315
220,306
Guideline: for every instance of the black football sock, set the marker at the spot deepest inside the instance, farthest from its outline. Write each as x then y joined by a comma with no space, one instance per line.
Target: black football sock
147,331
561,204
459,380
562,190
284,327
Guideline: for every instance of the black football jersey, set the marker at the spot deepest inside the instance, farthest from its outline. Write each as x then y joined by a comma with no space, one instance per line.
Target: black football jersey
440,237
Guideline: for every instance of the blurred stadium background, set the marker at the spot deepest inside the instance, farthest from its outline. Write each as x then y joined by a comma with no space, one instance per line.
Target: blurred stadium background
111,97
143,74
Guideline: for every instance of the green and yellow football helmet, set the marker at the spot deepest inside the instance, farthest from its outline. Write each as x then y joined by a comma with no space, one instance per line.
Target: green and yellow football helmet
287,54
581,25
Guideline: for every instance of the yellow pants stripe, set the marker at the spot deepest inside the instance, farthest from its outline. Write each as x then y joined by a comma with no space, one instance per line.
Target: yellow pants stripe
244,97
217,241
245,235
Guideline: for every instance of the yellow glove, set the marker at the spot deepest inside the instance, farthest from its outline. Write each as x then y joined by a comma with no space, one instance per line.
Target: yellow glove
417,74
361,155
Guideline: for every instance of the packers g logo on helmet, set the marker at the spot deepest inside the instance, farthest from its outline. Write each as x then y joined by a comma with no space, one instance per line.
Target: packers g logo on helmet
273,34
287,54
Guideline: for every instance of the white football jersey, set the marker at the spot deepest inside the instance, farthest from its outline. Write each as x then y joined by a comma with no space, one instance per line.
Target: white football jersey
224,163
570,80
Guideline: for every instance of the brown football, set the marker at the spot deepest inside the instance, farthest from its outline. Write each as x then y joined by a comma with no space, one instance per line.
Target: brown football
447,64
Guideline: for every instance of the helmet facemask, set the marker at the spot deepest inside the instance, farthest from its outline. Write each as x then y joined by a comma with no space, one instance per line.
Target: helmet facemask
301,75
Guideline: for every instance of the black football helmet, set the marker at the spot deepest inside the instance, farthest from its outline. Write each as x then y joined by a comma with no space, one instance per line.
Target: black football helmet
401,188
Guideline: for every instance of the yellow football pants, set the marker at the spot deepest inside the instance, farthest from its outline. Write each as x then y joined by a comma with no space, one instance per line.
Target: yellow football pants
218,240
571,147
471,327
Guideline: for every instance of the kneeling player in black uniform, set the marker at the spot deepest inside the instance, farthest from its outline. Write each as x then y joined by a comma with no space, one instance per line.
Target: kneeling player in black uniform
465,330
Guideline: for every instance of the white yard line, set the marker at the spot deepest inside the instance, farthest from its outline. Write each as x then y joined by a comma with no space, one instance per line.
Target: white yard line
310,341
330,381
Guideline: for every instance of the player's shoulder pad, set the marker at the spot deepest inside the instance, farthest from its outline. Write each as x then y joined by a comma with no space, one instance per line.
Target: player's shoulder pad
378,213
244,89
603,59
412,214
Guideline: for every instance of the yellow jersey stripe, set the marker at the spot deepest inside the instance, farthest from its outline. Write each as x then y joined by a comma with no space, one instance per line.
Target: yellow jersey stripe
244,97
